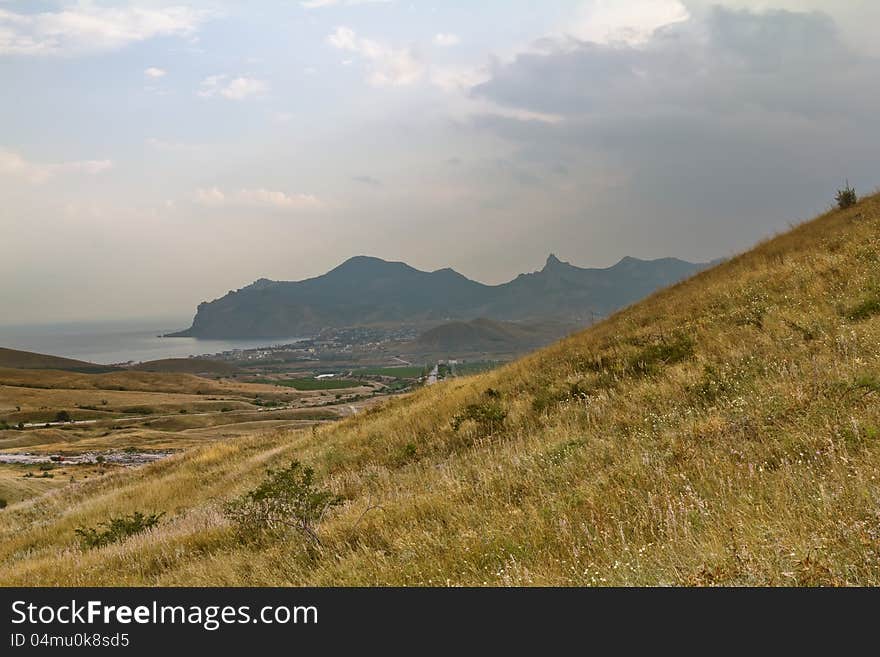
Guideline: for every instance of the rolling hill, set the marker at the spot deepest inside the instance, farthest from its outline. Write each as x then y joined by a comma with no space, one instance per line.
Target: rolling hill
187,366
724,431
12,358
366,290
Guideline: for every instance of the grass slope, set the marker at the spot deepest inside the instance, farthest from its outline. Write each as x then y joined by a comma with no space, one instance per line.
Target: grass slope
13,358
723,431
188,366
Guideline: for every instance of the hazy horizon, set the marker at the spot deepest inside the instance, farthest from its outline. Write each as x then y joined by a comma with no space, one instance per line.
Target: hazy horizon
161,153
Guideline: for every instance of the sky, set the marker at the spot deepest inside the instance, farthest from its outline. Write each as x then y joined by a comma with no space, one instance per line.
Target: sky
155,154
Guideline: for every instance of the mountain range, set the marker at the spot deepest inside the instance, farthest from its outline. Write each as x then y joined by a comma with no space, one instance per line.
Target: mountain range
365,290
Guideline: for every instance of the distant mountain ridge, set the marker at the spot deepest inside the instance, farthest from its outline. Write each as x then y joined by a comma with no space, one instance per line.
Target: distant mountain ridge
366,290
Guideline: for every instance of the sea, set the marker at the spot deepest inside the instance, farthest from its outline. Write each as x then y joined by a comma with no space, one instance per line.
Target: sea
116,342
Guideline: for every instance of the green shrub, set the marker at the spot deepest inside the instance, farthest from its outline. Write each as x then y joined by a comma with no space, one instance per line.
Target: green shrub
3,503
138,410
864,310
548,398
651,357
287,499
846,197
117,529
489,416
63,416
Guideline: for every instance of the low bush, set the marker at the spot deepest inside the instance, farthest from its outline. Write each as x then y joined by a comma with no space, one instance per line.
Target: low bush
846,197
117,529
653,356
864,310
287,499
489,416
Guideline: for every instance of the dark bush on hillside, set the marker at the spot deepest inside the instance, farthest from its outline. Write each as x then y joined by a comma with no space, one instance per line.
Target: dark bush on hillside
846,197
117,529
489,416
287,499
3,503
138,410
667,352
62,416
864,310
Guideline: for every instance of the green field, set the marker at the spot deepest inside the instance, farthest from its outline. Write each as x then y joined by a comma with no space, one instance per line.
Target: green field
313,384
403,372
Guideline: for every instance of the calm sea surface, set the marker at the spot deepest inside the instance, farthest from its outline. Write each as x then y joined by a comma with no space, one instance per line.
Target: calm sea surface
119,342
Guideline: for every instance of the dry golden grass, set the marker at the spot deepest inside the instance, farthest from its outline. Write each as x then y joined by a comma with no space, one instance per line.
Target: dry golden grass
724,431
16,487
129,380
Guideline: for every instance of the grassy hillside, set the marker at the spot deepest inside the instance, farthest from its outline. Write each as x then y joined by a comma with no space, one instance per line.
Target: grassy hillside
724,431
188,366
117,380
13,358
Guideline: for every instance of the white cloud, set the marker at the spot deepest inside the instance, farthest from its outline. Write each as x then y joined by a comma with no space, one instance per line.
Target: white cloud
612,21
87,28
155,73
389,66
240,88
343,38
14,165
459,79
320,4
257,198
446,40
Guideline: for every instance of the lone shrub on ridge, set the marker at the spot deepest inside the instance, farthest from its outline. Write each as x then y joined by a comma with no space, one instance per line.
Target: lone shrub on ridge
846,197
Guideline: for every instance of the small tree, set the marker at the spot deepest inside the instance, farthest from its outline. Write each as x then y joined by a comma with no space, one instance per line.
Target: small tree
62,416
846,197
288,498
3,503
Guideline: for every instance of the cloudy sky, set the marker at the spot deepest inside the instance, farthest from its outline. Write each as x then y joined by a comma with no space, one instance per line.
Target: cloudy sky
154,154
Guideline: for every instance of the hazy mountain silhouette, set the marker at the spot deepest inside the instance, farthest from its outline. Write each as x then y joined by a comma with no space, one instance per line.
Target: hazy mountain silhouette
366,290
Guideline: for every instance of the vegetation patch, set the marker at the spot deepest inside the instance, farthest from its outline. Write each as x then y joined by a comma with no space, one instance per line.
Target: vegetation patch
864,310
117,529
287,499
653,357
308,384
488,415
547,398
139,410
405,372
846,197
